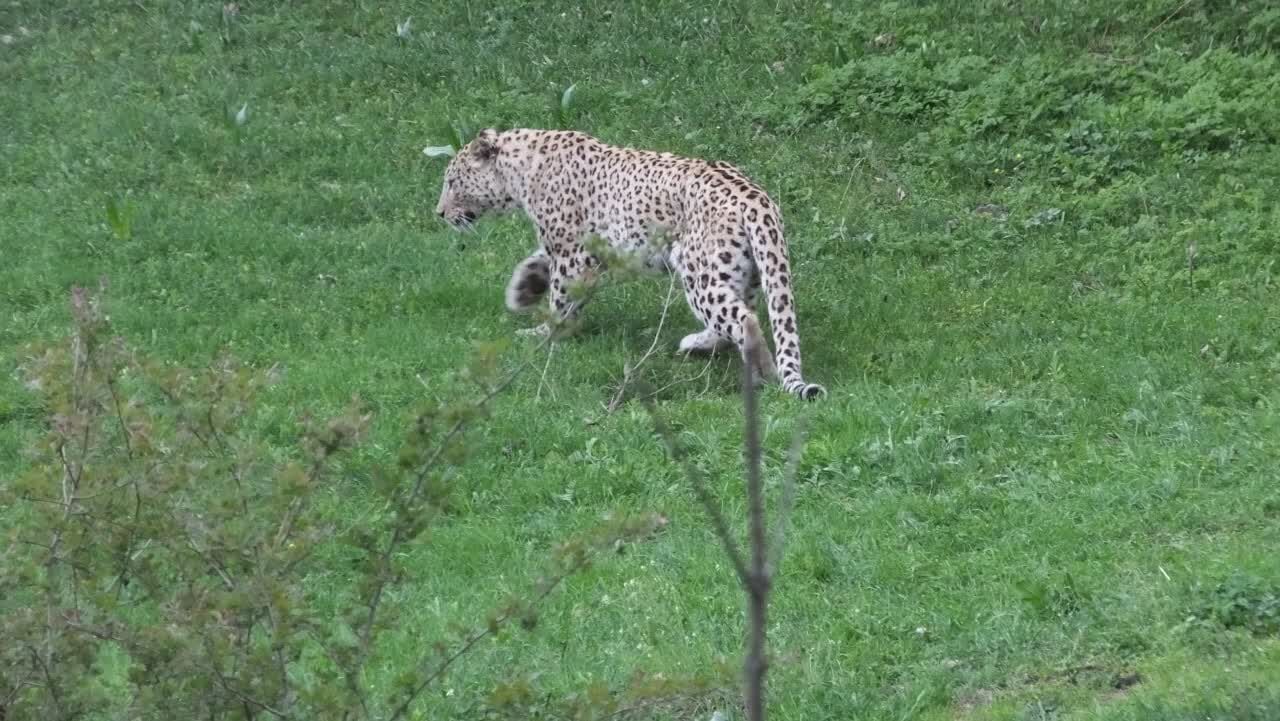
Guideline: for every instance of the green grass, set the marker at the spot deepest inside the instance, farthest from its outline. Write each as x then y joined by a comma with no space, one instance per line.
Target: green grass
1048,447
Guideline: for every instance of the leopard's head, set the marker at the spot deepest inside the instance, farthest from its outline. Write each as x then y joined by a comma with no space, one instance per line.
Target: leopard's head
474,184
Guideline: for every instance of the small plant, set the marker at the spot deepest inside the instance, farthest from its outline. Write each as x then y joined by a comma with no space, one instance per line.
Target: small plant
120,213
160,554
755,572
455,135
562,107
1053,598
1241,602
235,119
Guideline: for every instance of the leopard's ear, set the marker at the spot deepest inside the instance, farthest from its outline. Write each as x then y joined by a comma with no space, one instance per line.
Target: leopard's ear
485,146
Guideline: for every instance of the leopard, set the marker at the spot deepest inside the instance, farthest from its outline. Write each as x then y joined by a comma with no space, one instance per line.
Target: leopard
705,221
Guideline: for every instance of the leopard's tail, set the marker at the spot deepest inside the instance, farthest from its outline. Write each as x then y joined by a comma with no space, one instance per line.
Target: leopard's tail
768,248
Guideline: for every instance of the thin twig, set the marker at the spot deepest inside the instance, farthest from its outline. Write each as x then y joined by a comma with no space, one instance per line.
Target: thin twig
226,452
50,683
70,487
211,563
18,685
127,550
757,585
680,381
1130,59
397,533
700,490
477,637
650,393
242,696
124,428
291,513
282,663
1192,253
98,633
349,675
551,349
1167,18
576,562
629,370
794,453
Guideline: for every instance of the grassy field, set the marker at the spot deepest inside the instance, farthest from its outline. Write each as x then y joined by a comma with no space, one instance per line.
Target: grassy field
1035,254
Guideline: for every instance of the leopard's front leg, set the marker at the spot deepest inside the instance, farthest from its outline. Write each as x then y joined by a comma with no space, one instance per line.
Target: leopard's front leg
529,282
568,263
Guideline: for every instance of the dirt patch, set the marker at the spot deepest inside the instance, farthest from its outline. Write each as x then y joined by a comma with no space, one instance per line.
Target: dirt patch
1122,686
1112,685
974,700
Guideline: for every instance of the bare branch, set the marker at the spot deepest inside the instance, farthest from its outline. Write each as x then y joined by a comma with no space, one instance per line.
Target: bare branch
98,633
13,692
757,584
244,698
700,490
1167,18
50,683
629,370
478,636
794,453
295,507
704,372
756,580
397,534
425,469
226,451
211,562
124,428
551,349
350,676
